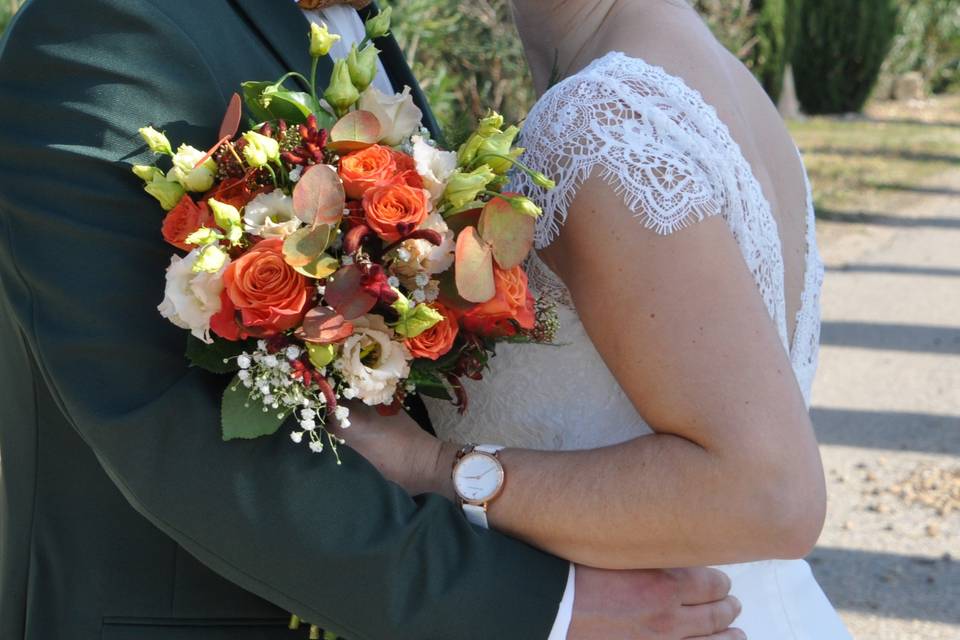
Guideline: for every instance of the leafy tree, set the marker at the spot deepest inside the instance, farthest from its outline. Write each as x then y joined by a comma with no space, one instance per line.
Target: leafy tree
842,46
929,42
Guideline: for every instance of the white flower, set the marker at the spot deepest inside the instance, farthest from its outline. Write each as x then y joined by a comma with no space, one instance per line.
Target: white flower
316,446
308,425
398,116
434,166
293,352
190,299
243,361
190,176
270,215
374,378
342,412
415,257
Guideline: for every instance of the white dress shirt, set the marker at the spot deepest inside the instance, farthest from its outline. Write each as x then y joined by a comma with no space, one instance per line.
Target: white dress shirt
345,21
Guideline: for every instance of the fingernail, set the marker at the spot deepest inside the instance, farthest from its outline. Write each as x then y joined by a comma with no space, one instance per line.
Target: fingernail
737,604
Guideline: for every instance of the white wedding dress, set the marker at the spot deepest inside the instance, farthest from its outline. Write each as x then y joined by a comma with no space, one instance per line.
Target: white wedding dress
661,146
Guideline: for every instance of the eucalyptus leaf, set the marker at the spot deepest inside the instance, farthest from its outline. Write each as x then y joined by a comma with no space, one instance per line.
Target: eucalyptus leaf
243,418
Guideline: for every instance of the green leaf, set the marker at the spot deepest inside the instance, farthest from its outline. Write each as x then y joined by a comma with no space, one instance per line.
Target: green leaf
243,418
251,98
292,106
428,383
211,356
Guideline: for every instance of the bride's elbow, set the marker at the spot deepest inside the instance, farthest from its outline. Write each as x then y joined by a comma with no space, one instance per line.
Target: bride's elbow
790,516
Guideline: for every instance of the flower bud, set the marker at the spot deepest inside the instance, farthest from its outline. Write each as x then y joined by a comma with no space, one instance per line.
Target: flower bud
526,206
147,173
191,175
499,144
541,180
321,40
341,94
464,187
167,192
260,150
227,218
414,319
321,354
157,142
362,66
210,259
203,236
379,25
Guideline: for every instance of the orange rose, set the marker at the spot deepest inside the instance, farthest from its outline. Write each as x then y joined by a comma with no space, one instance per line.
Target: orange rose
438,339
512,305
366,168
407,170
395,209
184,219
268,294
233,191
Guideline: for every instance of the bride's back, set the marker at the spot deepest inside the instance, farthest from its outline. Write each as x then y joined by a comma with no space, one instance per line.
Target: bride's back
671,35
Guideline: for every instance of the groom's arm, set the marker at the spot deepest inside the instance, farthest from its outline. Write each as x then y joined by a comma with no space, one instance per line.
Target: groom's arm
81,264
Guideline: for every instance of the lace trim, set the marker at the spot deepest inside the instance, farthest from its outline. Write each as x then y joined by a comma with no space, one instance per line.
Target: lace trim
663,148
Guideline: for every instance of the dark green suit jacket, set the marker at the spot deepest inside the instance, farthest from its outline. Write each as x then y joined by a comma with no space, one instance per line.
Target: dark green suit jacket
122,514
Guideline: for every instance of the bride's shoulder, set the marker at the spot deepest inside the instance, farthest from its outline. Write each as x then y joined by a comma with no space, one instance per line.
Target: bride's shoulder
634,126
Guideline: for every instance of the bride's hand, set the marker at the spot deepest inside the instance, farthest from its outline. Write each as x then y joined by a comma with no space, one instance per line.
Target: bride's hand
400,450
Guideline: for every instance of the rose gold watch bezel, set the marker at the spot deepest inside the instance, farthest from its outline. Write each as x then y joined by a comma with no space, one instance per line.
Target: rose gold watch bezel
501,479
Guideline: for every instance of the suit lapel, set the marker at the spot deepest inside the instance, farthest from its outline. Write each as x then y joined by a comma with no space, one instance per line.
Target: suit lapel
284,31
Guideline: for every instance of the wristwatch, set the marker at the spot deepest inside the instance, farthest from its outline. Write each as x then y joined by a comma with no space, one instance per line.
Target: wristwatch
478,479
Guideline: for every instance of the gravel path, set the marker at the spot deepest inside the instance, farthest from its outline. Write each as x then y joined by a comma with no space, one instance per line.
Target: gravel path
887,411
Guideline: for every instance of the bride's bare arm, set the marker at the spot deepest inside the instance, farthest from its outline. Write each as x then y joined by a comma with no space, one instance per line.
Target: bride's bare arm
733,473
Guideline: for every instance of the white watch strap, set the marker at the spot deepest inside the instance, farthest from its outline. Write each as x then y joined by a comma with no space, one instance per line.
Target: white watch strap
476,515
488,448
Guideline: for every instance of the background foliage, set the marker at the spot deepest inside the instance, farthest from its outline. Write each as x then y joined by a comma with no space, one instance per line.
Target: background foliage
468,57
843,46
929,42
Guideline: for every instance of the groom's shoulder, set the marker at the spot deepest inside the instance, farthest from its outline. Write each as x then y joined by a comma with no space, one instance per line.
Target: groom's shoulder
95,23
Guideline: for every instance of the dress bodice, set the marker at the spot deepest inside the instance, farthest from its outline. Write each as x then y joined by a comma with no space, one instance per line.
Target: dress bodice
658,143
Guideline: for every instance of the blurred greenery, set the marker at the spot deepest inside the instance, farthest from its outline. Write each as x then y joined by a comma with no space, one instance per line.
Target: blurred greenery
7,9
929,42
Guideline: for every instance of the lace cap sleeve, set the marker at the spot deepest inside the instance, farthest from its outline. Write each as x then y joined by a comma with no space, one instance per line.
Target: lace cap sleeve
627,125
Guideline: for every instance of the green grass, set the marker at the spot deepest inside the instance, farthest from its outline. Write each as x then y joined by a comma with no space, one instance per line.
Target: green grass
859,164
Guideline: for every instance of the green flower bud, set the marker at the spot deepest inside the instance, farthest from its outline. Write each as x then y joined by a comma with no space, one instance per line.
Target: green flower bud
260,150
157,142
167,192
464,187
321,354
499,144
186,171
525,206
341,94
147,173
210,259
541,180
414,320
362,66
321,40
379,25
227,218
204,236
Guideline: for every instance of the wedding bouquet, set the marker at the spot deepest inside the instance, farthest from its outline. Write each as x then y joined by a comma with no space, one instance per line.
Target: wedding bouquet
333,252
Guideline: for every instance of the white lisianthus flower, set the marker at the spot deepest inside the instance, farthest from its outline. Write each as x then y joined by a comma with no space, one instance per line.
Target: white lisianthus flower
415,257
270,215
434,165
374,378
190,176
191,298
398,116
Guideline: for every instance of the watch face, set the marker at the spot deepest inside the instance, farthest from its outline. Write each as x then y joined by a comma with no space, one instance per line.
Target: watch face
478,477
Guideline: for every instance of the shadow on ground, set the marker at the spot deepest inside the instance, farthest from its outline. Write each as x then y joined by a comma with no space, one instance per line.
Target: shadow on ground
891,585
892,337
896,431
